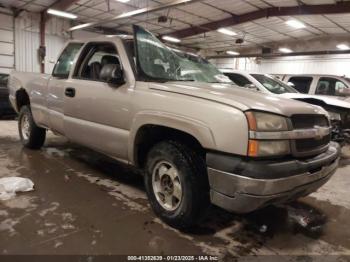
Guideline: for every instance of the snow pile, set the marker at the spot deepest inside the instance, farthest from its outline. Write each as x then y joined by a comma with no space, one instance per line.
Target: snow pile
10,185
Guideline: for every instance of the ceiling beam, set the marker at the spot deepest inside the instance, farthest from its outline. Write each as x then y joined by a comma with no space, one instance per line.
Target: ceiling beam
338,8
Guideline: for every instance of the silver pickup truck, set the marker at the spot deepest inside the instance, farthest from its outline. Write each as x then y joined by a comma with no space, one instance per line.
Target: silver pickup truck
198,140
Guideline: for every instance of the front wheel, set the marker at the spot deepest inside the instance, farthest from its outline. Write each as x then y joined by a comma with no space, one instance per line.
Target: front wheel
31,135
176,184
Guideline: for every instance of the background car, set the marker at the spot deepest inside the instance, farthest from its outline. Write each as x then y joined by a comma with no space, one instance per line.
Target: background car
5,107
329,85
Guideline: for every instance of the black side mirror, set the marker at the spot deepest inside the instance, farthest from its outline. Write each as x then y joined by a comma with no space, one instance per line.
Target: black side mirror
113,74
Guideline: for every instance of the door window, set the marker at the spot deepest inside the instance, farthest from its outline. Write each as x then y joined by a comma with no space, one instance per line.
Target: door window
301,83
65,61
94,57
329,86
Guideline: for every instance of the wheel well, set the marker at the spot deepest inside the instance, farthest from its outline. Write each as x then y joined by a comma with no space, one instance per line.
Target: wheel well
149,135
22,98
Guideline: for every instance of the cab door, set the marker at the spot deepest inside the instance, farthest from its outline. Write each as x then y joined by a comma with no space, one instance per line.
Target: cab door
57,85
96,113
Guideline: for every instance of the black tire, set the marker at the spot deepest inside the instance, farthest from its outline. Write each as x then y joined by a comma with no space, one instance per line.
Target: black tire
194,181
35,137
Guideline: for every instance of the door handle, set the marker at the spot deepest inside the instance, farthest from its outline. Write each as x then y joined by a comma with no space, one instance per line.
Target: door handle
70,92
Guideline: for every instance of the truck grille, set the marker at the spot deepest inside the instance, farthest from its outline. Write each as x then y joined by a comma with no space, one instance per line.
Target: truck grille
308,121
309,146
304,145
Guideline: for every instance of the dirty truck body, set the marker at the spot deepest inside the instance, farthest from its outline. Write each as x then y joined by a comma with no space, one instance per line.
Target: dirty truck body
198,140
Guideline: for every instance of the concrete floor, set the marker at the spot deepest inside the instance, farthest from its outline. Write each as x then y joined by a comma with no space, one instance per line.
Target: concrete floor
85,203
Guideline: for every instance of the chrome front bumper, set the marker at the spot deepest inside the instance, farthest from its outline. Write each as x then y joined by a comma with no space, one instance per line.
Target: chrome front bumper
242,194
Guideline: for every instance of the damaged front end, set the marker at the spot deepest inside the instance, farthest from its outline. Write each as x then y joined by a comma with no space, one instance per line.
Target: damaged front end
340,127
339,117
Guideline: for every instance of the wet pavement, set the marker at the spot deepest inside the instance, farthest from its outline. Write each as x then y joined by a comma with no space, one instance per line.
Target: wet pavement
85,203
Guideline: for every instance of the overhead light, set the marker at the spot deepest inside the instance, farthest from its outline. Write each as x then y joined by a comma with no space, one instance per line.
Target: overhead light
226,31
285,50
343,47
171,39
232,53
61,14
123,1
295,23
79,26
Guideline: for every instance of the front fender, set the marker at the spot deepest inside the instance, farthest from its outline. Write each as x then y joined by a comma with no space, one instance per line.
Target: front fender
190,126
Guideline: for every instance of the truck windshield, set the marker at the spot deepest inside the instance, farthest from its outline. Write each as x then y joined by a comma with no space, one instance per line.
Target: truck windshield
158,62
274,85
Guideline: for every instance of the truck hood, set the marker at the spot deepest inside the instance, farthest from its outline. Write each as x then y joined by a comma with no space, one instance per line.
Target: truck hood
238,97
332,101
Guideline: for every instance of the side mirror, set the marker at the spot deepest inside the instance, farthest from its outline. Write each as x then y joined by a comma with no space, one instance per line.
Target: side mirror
252,87
112,73
342,91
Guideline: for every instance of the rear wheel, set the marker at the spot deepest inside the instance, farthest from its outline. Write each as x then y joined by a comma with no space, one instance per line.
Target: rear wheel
176,184
31,135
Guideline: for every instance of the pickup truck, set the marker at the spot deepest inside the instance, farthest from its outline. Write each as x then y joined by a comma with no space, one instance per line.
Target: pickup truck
327,85
338,110
197,140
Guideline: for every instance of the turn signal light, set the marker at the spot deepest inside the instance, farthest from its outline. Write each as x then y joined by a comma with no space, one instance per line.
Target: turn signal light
253,148
251,121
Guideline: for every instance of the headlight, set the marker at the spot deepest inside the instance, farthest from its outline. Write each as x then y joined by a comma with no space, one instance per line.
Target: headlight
334,116
263,148
265,122
259,121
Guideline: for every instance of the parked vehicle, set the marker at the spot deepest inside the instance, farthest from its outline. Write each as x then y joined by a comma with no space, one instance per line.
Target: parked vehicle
338,110
198,140
328,85
5,106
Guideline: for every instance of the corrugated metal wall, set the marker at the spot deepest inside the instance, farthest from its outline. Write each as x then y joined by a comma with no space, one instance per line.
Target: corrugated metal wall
6,42
27,41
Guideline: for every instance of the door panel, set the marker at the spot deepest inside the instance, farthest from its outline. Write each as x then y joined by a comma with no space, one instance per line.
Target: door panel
98,116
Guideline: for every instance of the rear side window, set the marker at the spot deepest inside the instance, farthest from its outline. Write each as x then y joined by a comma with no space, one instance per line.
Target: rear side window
238,79
302,84
329,86
65,61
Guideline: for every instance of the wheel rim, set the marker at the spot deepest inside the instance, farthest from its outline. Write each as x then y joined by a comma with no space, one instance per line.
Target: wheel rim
166,185
25,127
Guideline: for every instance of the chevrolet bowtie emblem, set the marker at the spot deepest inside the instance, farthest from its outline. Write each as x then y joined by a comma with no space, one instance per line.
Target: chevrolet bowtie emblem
319,133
